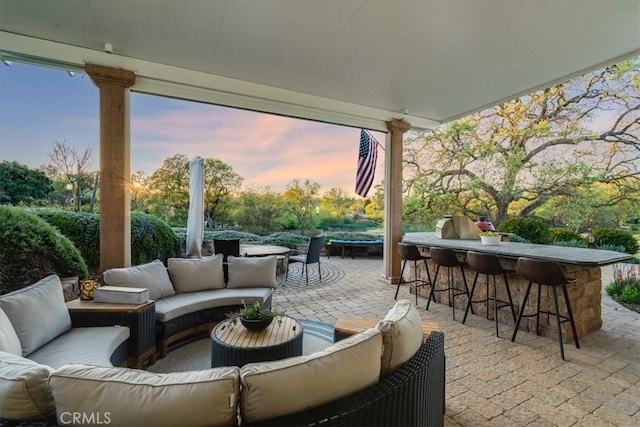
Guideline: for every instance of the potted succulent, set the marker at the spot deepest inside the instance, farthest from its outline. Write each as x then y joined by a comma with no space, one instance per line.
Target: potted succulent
490,238
254,317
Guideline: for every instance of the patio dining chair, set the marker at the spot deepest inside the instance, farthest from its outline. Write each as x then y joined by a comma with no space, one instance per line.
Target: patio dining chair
311,256
226,247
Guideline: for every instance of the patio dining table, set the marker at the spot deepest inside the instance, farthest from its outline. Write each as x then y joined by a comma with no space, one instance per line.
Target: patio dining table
282,252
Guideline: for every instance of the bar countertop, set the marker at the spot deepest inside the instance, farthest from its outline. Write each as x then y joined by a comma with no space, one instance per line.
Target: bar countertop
561,254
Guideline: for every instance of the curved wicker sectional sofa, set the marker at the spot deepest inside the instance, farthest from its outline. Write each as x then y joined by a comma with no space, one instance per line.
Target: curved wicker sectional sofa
192,294
385,376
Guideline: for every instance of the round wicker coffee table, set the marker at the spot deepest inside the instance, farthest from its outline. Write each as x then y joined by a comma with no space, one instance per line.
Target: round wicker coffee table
234,345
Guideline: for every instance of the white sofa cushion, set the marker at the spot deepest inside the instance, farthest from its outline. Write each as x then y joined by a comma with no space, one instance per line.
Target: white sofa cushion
181,304
9,340
251,272
24,389
272,389
37,312
152,276
93,345
401,334
196,274
131,397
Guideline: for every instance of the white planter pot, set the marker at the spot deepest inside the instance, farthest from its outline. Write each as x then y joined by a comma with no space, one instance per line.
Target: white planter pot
490,240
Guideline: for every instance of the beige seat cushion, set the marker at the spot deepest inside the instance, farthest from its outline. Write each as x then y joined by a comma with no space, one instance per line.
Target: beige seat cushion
38,313
251,272
152,276
180,304
93,345
130,397
9,340
196,274
271,389
401,334
24,389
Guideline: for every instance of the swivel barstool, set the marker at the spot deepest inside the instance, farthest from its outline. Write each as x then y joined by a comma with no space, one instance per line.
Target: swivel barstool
445,257
410,252
489,265
546,273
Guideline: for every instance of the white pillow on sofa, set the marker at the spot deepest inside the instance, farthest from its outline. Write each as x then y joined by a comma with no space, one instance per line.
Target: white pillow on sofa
196,274
401,335
252,272
272,389
131,397
24,389
9,340
152,276
38,313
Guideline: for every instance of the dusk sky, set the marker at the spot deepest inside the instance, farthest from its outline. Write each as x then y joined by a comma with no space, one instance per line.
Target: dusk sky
39,106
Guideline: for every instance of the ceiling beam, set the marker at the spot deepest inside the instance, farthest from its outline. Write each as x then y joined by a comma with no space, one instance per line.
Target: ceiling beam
165,80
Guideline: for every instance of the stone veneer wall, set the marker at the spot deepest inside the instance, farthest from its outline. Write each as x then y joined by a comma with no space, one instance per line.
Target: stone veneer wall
584,296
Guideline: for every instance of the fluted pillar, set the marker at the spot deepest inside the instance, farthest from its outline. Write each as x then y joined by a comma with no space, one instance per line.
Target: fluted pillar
393,198
115,164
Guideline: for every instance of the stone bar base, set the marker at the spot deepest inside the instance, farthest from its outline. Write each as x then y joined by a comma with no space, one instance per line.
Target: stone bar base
584,296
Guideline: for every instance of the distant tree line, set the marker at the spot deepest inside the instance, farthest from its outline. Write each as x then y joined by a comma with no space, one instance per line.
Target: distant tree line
568,154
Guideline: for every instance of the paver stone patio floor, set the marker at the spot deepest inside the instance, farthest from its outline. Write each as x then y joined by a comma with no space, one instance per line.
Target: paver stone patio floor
492,381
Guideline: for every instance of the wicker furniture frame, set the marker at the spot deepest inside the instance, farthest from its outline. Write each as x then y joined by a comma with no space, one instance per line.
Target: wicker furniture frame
413,395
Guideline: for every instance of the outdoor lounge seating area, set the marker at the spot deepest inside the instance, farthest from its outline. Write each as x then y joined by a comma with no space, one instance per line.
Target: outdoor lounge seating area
489,380
350,384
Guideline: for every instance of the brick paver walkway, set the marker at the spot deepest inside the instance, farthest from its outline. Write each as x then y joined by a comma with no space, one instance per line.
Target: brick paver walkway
492,381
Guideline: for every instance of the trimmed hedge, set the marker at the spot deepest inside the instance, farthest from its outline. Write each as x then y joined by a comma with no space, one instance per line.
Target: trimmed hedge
614,237
564,235
82,228
151,238
31,249
532,229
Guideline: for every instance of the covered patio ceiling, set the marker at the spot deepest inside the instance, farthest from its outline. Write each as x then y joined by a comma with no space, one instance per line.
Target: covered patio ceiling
352,62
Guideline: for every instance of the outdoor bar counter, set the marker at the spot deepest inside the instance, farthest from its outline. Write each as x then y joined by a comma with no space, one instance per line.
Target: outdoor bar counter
581,264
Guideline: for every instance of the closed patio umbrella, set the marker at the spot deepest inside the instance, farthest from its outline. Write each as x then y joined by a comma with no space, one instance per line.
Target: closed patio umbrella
195,221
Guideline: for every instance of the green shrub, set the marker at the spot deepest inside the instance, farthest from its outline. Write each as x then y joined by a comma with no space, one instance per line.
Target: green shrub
564,235
152,238
612,236
531,229
626,283
31,249
348,235
574,243
283,238
82,228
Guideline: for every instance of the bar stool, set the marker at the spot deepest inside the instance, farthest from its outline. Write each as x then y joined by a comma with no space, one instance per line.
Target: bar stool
445,257
546,273
410,252
489,265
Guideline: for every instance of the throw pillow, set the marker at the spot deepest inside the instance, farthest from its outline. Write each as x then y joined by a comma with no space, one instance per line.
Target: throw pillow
272,389
9,340
196,274
401,335
131,397
24,389
152,276
38,313
252,272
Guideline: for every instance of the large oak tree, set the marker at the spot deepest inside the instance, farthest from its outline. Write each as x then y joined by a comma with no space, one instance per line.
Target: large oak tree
525,153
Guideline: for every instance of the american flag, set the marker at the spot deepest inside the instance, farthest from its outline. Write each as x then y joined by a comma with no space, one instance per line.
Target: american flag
367,157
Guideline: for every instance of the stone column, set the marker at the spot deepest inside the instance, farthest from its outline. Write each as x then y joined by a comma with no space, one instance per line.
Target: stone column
393,198
115,164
